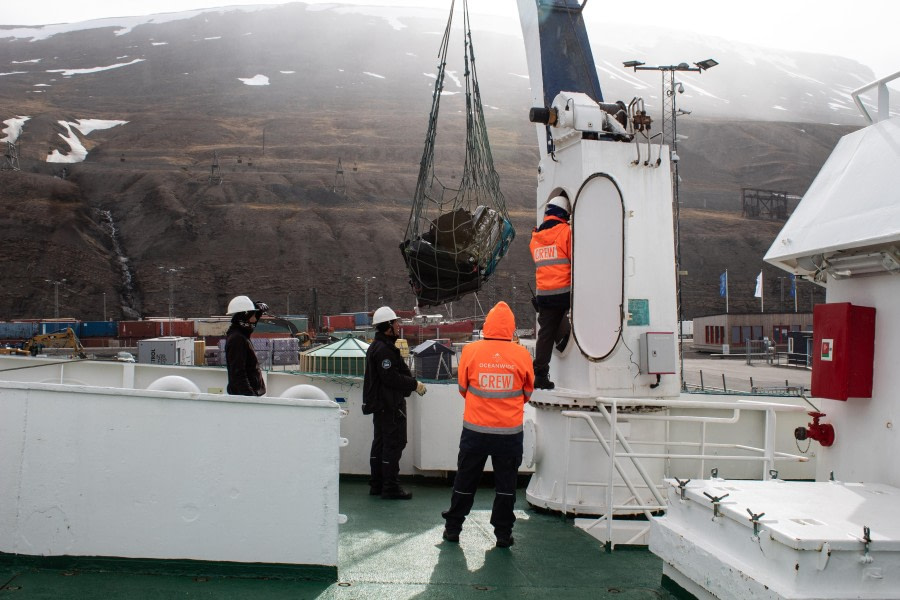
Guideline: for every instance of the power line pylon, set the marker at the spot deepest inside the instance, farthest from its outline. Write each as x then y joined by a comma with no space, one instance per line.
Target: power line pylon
10,157
215,175
340,186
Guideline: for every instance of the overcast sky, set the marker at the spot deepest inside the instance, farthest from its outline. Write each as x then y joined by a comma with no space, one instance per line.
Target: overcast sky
866,31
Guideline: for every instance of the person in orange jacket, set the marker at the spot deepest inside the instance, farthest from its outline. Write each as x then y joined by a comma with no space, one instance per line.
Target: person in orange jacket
551,250
496,378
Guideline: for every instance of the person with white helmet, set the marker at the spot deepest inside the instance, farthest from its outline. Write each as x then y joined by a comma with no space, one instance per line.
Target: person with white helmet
387,383
551,249
244,375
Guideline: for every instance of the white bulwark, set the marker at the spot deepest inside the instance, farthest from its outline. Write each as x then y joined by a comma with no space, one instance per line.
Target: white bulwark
104,471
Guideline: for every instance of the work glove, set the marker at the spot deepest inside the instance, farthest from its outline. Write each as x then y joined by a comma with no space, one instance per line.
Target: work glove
420,388
261,307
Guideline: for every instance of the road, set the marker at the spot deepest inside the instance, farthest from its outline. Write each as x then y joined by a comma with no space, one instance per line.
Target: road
738,374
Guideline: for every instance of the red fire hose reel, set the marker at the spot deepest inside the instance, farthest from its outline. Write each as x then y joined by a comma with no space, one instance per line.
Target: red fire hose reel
821,432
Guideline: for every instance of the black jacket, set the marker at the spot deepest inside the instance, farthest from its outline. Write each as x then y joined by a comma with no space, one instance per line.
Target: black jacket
244,375
388,381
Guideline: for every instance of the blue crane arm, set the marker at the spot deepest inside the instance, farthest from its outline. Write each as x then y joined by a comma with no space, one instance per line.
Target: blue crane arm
566,61
558,51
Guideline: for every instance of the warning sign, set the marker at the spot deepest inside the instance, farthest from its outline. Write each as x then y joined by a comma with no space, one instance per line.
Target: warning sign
827,350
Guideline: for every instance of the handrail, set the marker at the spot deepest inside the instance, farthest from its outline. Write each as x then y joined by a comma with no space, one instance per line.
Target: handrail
608,409
884,105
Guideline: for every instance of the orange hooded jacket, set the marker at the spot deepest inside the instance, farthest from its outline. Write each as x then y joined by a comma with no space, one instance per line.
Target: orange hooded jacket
551,250
496,376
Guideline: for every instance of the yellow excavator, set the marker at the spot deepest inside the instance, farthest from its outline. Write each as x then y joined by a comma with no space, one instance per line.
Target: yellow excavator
59,339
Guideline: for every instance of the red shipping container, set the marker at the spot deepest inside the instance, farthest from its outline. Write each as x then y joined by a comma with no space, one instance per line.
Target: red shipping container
178,328
140,329
843,351
340,322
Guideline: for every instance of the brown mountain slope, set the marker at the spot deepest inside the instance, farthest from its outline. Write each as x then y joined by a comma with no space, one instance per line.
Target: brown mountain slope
274,228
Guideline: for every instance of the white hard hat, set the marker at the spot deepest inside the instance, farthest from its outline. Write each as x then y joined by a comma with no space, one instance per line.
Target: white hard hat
240,304
560,201
385,314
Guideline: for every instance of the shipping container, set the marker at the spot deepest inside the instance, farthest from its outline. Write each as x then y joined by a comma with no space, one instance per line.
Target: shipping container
266,326
211,327
175,327
339,322
140,329
166,351
363,319
458,331
89,329
18,331
270,351
57,326
213,340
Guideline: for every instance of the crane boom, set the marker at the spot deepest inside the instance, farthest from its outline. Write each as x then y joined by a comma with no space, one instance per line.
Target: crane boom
558,53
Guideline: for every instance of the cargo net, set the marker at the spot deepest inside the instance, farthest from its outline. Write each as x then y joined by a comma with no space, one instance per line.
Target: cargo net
456,237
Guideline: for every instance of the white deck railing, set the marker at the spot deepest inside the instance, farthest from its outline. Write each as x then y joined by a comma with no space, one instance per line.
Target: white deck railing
883,98
608,410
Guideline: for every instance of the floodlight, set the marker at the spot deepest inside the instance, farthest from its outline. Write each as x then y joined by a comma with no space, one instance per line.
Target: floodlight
709,63
867,263
628,64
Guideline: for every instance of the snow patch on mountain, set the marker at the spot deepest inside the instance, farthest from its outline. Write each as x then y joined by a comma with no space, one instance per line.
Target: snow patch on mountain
255,80
78,152
70,72
13,129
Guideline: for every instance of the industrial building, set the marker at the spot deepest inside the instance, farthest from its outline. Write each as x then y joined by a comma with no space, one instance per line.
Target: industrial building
728,333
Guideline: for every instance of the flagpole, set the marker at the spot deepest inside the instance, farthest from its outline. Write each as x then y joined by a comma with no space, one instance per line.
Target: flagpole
796,290
726,291
762,292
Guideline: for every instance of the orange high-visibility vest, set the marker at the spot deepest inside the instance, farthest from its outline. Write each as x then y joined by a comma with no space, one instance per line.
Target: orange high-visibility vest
496,377
551,250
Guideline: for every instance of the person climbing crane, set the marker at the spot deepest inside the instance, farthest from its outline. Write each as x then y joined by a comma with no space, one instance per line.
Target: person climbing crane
551,250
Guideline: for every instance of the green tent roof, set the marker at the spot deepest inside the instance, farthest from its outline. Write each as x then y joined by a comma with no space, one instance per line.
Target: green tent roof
347,347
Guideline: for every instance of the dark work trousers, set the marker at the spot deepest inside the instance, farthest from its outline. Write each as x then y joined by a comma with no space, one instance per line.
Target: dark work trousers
553,327
388,443
506,456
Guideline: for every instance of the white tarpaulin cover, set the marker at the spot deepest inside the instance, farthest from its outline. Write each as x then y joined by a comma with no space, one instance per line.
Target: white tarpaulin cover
854,202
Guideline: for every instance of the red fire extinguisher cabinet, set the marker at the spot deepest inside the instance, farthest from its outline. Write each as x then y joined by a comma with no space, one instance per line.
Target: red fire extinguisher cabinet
843,350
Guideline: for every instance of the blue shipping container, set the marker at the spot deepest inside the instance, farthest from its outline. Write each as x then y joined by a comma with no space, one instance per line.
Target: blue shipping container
363,319
98,329
56,326
18,331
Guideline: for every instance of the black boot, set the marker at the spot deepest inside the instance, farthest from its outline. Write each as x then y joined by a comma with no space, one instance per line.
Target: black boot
397,493
542,382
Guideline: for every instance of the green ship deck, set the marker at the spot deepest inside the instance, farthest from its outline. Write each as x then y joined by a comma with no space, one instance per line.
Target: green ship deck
393,549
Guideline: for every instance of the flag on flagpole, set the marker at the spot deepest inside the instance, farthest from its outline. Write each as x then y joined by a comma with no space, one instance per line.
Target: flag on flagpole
723,284
759,283
793,286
